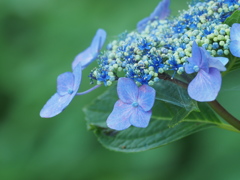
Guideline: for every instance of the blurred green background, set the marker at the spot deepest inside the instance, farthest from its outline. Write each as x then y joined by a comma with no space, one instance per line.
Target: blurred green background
38,41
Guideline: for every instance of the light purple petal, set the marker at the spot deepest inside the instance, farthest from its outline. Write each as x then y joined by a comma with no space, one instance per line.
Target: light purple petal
84,58
205,86
234,32
55,105
142,24
204,65
196,58
91,53
127,90
218,63
65,83
140,118
162,10
119,117
146,97
235,48
223,60
77,72
189,67
98,41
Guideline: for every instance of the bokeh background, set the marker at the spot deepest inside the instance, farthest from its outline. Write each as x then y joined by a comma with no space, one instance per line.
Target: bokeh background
38,41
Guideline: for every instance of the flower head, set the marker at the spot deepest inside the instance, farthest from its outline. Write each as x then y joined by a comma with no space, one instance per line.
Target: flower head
206,85
160,12
133,107
91,53
67,87
235,40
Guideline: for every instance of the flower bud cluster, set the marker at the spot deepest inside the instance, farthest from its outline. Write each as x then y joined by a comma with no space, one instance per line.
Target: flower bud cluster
165,45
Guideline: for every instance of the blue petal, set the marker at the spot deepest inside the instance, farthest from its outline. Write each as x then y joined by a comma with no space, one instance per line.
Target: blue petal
205,86
98,41
235,48
196,58
84,58
189,67
127,90
162,11
234,32
119,117
65,83
77,72
218,63
140,118
142,24
146,97
91,53
55,105
204,64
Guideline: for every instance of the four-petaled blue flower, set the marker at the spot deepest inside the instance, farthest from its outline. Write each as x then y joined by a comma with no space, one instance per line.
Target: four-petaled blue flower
133,107
206,85
67,87
160,12
68,83
235,40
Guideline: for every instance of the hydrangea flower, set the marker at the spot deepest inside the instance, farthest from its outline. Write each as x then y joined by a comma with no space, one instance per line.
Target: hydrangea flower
160,12
133,107
206,85
91,53
68,83
67,87
235,40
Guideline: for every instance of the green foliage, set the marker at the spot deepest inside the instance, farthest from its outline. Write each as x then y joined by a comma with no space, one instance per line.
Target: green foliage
175,115
234,18
233,64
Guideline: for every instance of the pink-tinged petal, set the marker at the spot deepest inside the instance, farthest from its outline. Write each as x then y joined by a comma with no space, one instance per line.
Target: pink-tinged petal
98,41
77,72
127,90
234,32
146,97
65,83
55,105
162,10
140,118
205,86
218,63
235,48
119,117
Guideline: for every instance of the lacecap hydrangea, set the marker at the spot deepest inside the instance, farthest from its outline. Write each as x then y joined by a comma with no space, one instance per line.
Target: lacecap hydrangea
196,42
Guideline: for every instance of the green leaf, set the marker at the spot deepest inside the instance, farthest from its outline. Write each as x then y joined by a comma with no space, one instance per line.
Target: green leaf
176,95
233,64
234,18
158,133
